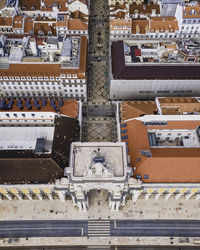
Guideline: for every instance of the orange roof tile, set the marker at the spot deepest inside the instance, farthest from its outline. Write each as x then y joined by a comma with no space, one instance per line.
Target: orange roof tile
166,164
18,22
30,5
144,9
75,24
140,26
62,5
191,12
120,22
133,109
6,21
28,25
163,24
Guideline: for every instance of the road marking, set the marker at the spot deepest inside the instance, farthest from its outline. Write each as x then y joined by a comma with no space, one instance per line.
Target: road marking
98,228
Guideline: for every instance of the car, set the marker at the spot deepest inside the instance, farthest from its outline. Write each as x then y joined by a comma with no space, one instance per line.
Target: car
97,58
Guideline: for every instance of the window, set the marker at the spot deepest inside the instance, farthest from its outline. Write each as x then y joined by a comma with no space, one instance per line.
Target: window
124,137
123,125
124,131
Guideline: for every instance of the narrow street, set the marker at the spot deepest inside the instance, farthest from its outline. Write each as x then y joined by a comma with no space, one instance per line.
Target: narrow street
98,114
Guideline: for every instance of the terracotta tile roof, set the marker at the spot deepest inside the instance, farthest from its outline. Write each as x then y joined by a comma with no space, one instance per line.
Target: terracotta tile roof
163,24
44,69
50,3
175,165
178,105
144,9
28,25
30,5
114,8
191,12
6,21
133,109
75,24
119,15
45,28
78,15
18,22
140,26
120,22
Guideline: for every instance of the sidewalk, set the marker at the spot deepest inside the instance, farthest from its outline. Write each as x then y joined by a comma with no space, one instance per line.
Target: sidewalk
142,209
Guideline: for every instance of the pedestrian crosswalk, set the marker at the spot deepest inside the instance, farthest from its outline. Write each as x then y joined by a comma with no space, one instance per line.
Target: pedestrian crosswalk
99,228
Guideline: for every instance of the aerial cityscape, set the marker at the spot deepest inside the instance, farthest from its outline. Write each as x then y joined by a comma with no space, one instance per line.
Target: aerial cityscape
100,124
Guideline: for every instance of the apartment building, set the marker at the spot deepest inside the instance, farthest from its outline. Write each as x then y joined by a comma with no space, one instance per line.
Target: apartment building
43,47
139,71
43,67
163,148
164,19
60,18
35,144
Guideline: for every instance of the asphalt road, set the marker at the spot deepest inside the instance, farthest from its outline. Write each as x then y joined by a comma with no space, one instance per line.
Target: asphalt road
162,228
15,229
79,228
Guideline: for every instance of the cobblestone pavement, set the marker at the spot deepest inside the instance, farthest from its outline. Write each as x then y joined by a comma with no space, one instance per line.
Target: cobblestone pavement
95,127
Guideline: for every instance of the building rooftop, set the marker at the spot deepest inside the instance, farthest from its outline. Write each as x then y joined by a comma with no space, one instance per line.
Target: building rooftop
97,161
39,170
191,12
164,153
146,9
160,71
52,63
133,109
178,105
36,154
65,107
27,5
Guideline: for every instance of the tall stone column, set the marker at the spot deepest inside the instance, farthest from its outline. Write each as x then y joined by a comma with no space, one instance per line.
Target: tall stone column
39,195
61,195
9,196
188,196
157,196
19,196
135,195
167,196
177,196
197,197
147,196
29,196
50,196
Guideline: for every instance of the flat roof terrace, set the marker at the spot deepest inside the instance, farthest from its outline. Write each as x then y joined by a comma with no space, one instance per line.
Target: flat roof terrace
65,107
